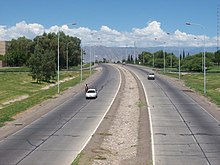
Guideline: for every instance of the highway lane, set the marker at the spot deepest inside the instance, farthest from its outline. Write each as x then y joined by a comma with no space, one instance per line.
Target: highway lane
57,137
183,133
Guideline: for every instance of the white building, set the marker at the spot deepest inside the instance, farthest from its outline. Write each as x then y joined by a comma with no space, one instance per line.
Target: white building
3,50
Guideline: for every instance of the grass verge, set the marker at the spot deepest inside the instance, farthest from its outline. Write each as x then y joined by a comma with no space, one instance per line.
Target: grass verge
76,161
195,81
13,85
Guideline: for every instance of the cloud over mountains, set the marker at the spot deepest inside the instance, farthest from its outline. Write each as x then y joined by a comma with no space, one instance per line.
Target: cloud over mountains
150,36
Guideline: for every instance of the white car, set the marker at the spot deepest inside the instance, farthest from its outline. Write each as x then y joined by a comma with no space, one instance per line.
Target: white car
151,76
91,93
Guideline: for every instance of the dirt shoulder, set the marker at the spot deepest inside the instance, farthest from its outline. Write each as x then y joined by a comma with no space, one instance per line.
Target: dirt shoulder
124,135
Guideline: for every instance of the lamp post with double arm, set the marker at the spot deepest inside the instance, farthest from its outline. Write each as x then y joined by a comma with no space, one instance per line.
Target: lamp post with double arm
58,59
204,56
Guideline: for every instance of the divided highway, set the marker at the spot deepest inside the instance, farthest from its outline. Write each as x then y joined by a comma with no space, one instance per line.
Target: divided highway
57,137
183,133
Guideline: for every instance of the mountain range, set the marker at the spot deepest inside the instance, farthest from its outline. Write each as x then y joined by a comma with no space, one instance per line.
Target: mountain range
114,54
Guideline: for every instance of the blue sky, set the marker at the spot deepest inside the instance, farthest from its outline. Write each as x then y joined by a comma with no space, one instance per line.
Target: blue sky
122,16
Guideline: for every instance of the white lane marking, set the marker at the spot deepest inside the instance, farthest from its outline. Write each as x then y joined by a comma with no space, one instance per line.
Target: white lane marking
201,107
190,97
150,119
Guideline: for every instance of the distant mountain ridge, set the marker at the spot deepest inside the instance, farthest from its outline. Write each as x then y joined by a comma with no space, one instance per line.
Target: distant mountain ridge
115,54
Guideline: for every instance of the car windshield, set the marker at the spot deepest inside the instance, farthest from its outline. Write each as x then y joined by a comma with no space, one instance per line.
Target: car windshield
91,91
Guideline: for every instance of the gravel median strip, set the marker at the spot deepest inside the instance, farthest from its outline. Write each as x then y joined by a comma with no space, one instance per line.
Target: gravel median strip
120,138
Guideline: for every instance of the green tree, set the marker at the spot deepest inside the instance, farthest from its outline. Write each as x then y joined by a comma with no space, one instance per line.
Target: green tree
129,59
42,61
2,57
74,50
183,54
19,52
43,66
132,60
195,62
158,63
147,57
35,64
217,57
104,60
50,42
48,66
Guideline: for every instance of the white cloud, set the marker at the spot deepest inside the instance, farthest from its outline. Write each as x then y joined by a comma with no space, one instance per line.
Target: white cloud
151,35
153,29
3,32
107,30
21,29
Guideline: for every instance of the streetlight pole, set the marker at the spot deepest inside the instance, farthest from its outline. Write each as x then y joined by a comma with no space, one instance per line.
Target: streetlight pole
58,59
67,58
204,56
134,53
95,50
58,62
179,60
153,54
164,58
153,59
171,61
126,51
90,56
81,69
94,56
90,64
201,54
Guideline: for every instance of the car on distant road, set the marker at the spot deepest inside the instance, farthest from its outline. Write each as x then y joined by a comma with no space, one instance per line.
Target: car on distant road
91,94
151,76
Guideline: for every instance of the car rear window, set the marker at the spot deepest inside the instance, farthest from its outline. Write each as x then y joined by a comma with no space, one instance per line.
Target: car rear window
91,91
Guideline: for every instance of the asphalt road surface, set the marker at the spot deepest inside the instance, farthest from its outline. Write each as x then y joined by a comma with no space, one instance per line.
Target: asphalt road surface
183,132
57,137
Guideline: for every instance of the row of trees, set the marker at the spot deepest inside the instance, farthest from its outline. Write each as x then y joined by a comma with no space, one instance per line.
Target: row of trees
40,54
188,62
